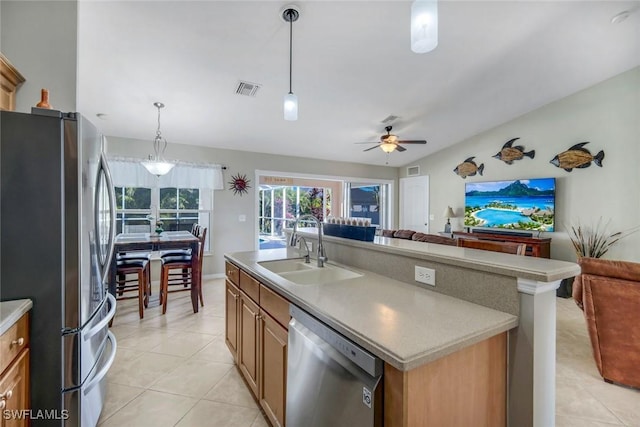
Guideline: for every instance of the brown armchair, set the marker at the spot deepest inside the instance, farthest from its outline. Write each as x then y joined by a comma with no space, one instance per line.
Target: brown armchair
609,294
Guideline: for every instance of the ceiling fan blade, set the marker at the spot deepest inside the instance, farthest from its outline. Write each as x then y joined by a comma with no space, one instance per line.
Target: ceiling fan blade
371,148
400,148
368,142
422,141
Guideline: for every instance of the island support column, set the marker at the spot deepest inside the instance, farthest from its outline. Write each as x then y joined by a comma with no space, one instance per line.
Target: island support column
532,357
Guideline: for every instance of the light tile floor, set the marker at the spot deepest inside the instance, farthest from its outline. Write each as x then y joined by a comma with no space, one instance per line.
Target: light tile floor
175,370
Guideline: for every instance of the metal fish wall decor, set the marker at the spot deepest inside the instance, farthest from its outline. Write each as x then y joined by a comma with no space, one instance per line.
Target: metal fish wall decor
577,157
509,153
468,168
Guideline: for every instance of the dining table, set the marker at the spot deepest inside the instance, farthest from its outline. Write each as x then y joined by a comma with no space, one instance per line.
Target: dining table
129,242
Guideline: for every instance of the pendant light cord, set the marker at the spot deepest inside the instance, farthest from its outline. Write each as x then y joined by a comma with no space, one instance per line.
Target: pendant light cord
290,48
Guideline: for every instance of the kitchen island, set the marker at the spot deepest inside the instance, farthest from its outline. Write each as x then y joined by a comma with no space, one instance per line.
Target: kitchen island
477,299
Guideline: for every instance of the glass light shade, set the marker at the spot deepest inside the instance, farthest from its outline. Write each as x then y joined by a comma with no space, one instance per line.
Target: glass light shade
290,107
157,167
424,25
387,147
448,213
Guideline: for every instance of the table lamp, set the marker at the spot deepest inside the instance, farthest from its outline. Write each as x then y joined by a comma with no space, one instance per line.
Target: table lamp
448,213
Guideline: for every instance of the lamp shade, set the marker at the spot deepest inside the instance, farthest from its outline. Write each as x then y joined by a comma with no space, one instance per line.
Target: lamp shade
448,213
290,107
424,25
387,147
157,167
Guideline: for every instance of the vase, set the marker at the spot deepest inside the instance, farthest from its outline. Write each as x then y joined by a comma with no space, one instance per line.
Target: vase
44,99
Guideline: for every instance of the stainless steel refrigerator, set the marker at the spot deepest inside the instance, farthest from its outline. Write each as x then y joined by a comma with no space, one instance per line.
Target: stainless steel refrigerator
56,230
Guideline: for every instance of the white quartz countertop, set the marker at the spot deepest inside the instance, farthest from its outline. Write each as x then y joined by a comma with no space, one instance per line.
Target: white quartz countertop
405,325
523,267
12,311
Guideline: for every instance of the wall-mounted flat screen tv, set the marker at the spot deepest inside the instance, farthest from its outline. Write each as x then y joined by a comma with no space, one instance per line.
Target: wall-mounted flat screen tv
521,204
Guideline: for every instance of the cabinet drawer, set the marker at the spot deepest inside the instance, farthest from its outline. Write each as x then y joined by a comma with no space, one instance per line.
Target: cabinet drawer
13,341
250,286
233,273
275,305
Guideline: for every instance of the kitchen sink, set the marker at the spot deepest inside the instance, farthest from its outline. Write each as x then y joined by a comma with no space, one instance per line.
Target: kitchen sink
297,271
286,265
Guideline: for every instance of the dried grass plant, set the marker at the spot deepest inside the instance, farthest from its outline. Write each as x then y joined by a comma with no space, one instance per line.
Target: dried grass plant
595,241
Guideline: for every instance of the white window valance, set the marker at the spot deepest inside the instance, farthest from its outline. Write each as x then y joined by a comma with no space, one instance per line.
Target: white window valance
130,173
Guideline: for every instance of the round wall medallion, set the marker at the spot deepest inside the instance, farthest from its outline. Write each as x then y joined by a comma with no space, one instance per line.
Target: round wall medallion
239,184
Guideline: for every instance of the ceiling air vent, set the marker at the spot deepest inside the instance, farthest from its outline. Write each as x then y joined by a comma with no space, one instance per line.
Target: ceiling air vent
389,119
413,170
247,88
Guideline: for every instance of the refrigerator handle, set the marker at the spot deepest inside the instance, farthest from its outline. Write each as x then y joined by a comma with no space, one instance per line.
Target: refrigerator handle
105,368
112,209
105,321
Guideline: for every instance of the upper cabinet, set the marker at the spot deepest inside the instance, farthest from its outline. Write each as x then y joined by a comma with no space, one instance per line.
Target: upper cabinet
10,79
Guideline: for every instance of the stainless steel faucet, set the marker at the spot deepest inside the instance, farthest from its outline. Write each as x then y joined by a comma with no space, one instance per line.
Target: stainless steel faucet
301,240
321,256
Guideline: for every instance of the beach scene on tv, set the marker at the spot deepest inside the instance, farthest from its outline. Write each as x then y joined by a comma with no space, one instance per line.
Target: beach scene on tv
523,204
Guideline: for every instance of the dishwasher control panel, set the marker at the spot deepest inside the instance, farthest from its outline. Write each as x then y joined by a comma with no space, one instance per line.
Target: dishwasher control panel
358,355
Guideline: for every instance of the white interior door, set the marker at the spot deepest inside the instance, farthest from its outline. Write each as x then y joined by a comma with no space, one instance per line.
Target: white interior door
414,203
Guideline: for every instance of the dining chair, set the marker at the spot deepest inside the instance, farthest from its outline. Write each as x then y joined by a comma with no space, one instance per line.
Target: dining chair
183,279
490,245
140,283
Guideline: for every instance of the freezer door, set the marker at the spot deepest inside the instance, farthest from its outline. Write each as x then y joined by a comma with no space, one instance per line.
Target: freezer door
84,404
82,348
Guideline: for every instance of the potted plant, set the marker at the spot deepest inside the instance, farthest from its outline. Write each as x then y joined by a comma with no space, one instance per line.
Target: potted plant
592,242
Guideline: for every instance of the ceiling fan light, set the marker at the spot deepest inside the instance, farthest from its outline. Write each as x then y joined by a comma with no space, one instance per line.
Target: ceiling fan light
387,147
290,107
424,25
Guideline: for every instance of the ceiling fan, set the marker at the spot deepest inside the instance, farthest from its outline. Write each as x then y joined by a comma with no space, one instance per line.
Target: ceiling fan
390,142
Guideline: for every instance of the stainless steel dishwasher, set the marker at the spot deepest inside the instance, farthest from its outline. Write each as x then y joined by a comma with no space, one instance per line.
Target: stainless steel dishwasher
331,381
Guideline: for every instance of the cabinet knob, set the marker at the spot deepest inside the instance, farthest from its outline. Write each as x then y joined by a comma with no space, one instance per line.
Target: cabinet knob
6,395
19,341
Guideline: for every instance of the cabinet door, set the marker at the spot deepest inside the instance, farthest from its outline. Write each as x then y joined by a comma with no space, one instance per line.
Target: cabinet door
14,392
248,341
231,318
273,368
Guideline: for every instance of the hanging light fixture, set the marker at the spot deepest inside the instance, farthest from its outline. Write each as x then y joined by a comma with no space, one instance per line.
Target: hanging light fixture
156,164
424,25
290,15
388,147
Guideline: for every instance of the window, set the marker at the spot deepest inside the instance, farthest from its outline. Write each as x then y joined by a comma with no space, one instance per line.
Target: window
368,201
279,205
179,209
133,205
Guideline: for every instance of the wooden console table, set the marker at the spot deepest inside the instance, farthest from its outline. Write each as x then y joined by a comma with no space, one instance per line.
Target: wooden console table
536,247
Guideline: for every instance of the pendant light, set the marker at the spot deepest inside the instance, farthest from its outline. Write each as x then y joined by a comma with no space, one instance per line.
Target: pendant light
156,164
424,25
290,15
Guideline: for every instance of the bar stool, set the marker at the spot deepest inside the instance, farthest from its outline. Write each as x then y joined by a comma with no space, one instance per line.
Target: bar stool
184,277
140,284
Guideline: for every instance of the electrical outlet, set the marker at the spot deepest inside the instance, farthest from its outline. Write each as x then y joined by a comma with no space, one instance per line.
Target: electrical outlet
425,275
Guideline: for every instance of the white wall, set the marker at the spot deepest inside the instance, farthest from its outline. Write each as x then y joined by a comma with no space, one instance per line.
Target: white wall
40,40
607,115
228,234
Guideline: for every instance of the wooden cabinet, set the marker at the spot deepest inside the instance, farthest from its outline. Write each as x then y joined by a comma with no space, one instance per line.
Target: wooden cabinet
232,300
248,341
256,333
14,380
536,247
10,79
273,368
